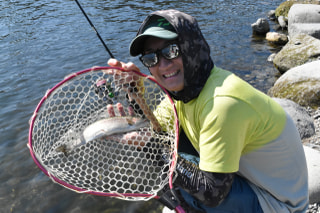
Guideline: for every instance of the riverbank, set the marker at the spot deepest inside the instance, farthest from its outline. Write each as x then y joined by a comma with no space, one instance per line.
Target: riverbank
314,140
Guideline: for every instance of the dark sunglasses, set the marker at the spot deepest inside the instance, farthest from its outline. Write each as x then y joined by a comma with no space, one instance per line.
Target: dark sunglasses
169,52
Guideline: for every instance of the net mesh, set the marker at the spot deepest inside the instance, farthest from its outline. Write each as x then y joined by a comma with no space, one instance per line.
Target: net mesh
124,164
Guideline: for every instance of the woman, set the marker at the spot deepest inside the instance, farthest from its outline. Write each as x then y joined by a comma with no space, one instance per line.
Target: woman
247,154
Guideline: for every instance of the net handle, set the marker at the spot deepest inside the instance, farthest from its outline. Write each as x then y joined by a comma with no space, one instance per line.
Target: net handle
80,190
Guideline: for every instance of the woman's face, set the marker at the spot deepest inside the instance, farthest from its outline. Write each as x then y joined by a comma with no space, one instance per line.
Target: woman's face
168,72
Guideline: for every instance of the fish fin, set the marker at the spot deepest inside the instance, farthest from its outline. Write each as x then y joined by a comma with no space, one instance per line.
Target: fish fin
130,121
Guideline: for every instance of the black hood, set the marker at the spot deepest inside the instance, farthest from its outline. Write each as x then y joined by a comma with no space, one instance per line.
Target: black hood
194,49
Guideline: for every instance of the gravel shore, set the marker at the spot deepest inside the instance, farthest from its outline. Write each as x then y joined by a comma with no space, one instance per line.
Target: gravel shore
314,142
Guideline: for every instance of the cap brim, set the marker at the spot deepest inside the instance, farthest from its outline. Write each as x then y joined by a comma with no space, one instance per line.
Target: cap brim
137,44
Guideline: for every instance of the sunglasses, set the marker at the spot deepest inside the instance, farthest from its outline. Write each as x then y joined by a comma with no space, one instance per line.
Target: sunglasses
169,52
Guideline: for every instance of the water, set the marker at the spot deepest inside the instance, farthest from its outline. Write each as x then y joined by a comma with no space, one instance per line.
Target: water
41,41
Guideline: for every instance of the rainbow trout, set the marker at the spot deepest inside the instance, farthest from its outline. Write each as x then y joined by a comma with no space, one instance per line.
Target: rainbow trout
111,126
99,129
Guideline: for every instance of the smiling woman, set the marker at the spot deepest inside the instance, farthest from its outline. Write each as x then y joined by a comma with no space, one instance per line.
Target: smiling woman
155,33
238,172
168,71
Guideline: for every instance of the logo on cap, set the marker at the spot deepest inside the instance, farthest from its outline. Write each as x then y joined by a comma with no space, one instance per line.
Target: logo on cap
162,22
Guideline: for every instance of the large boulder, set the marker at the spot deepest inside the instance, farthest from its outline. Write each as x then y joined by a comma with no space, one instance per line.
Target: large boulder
299,50
282,11
304,19
300,116
300,84
313,163
284,8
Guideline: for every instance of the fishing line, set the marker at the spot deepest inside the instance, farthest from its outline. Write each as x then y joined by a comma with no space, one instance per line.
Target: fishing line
97,33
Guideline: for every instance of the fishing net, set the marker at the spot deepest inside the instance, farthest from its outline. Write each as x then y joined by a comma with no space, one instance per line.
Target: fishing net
131,157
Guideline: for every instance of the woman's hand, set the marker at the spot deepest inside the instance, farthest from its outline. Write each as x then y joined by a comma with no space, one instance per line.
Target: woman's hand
126,79
133,84
125,66
137,138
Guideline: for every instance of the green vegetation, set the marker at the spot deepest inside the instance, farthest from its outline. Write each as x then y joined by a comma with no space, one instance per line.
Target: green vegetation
284,7
305,93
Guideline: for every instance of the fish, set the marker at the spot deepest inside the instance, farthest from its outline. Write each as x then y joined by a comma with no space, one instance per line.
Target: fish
101,128
111,126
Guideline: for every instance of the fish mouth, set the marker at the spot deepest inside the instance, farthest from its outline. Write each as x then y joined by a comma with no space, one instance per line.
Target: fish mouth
171,74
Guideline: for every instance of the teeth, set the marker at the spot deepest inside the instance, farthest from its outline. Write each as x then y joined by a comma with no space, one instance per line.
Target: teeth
171,74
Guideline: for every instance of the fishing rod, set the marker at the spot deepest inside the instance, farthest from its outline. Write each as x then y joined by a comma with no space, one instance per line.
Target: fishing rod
97,33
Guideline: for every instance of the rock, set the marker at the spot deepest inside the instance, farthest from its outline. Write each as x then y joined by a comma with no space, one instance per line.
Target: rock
304,18
272,15
299,50
300,84
307,1
277,38
282,21
283,8
300,116
271,57
313,163
261,26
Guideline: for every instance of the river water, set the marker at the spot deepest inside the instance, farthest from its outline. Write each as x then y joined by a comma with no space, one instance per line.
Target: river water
41,41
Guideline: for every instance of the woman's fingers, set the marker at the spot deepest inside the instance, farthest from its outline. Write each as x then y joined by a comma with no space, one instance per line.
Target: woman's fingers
114,63
121,110
131,66
126,66
110,110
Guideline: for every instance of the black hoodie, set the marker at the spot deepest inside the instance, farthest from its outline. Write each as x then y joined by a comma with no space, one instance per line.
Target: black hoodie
194,49
209,188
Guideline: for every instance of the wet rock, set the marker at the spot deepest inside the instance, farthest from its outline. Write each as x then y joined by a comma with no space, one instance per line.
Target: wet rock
277,38
272,15
261,26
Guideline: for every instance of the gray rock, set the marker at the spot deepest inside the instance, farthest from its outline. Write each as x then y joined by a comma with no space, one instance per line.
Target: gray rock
261,26
271,57
300,84
282,21
299,50
304,18
300,116
272,15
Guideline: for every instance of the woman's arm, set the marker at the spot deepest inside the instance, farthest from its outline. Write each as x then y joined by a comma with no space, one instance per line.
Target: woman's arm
208,187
